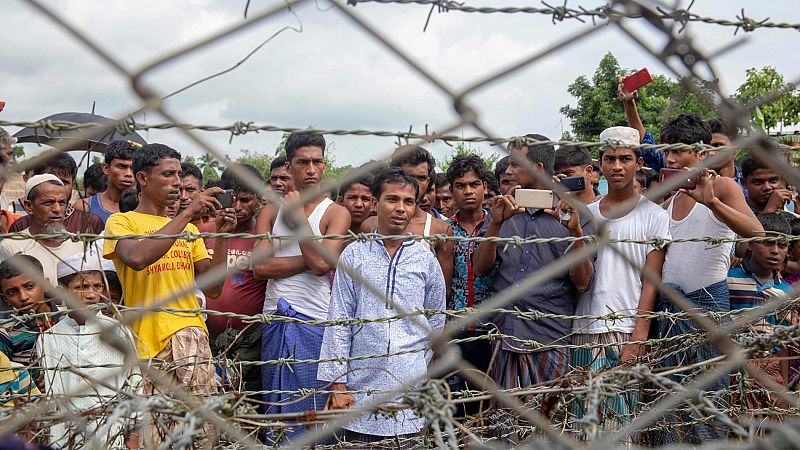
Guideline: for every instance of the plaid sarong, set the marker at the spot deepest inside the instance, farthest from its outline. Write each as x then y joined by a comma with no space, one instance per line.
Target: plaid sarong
712,298
614,411
297,383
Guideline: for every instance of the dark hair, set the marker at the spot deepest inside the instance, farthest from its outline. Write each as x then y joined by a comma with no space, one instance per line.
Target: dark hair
277,162
61,164
686,129
750,164
596,165
393,175
441,180
95,178
67,279
190,170
18,265
366,180
492,183
795,225
463,164
120,149
500,167
128,200
229,180
649,174
114,284
541,153
413,155
303,139
718,126
569,156
775,223
149,155
212,183
641,178
35,189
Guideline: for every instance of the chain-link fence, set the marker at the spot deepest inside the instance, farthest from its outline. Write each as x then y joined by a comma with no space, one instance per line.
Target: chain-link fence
641,403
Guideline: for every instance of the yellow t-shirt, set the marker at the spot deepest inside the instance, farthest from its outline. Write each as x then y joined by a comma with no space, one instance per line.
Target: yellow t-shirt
172,273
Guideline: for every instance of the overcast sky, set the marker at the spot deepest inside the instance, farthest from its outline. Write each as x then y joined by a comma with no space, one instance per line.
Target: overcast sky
333,75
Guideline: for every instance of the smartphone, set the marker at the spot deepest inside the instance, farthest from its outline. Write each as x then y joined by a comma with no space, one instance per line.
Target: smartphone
534,198
689,183
576,183
225,198
637,80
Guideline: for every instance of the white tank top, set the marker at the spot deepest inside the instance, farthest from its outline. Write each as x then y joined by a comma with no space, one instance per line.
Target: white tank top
695,265
308,294
427,231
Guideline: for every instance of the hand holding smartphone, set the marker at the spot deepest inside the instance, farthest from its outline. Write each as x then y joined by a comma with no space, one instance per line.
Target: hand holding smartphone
225,198
534,198
637,80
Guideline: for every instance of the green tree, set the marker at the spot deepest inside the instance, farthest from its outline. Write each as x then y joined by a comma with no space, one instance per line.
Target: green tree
598,106
464,149
785,110
18,152
210,167
190,159
259,161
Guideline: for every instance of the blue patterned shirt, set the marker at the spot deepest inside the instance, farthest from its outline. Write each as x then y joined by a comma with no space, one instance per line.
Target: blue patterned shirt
468,290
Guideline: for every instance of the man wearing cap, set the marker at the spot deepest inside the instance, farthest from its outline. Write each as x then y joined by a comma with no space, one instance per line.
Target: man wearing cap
80,342
46,199
618,286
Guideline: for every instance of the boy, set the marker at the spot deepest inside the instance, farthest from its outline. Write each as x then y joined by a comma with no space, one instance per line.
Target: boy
357,198
444,196
414,281
84,338
117,167
757,281
618,286
21,287
576,161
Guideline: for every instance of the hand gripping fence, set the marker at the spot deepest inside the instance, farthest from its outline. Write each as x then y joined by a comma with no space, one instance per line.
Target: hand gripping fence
537,416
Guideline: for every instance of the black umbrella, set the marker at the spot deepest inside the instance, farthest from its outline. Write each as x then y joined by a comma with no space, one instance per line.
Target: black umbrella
90,138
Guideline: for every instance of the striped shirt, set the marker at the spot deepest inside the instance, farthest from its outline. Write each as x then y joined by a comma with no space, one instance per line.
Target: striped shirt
747,291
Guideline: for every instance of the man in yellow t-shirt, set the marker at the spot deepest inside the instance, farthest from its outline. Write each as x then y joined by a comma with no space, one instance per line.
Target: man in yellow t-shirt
160,273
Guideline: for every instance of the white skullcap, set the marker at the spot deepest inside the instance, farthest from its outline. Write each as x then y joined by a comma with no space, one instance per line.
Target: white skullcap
39,179
76,263
622,137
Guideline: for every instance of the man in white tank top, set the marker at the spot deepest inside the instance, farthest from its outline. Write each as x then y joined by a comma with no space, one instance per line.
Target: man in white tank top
715,208
299,284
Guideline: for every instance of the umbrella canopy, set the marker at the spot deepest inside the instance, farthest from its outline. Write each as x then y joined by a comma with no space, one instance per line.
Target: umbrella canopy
91,139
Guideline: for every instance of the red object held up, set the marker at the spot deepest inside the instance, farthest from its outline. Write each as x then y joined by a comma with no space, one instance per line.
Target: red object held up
637,80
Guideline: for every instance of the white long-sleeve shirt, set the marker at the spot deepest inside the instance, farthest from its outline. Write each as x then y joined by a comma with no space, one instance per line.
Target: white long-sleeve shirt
413,279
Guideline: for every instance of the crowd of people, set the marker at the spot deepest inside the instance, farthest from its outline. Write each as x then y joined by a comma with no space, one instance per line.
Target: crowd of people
344,328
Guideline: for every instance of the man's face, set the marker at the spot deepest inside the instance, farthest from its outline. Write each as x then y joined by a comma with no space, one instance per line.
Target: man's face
768,255
359,201
245,204
67,179
444,200
469,192
190,187
619,166
518,172
281,181
427,201
22,293
760,184
395,208
162,185
506,182
48,207
595,178
88,287
307,167
420,172
120,174
679,159
720,140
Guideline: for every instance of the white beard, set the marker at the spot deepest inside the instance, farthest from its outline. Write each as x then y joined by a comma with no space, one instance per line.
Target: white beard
53,228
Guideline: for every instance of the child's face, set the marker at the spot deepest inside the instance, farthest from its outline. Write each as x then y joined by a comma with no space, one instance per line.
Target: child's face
23,294
88,287
769,254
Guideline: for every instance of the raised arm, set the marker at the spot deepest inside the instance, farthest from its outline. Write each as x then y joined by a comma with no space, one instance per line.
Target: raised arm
444,254
225,222
503,207
336,222
273,266
725,199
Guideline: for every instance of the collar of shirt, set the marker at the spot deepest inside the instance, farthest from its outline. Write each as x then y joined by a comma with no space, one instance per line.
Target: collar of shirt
776,278
455,221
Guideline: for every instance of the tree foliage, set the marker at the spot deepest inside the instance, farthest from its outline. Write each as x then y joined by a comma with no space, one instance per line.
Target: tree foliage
210,167
260,161
598,106
785,110
464,149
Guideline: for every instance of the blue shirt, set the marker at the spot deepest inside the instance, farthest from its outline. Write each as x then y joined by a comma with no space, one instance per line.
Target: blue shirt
413,279
468,290
747,291
557,295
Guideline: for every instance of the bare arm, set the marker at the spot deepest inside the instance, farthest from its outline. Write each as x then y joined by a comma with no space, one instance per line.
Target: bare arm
731,208
369,225
444,254
139,254
225,223
273,266
631,113
338,223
